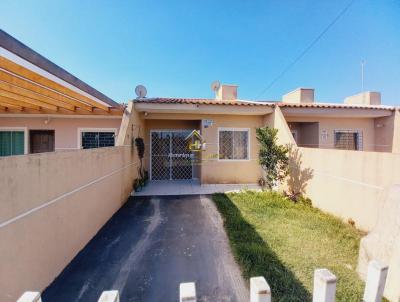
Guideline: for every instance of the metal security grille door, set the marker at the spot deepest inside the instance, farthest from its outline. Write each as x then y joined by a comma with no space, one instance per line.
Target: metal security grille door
170,156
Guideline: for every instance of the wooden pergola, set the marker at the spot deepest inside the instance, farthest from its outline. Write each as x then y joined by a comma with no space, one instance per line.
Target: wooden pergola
24,91
30,91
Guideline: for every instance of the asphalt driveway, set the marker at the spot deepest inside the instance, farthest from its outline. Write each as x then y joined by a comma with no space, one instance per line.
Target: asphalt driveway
150,246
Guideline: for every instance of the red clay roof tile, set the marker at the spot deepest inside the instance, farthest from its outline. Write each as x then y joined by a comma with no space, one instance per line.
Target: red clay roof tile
259,103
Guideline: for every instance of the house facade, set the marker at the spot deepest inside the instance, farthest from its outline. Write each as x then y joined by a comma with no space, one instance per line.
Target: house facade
44,108
228,129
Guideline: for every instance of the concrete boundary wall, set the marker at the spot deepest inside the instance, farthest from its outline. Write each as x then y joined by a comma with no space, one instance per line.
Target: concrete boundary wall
51,205
348,184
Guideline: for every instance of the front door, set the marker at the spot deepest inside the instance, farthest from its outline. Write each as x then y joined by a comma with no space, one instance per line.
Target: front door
171,158
41,141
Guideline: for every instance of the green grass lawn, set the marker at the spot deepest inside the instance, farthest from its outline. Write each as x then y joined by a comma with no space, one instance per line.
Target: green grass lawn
285,242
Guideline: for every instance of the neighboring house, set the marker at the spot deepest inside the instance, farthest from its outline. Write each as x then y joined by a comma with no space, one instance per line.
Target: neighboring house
361,123
44,108
228,127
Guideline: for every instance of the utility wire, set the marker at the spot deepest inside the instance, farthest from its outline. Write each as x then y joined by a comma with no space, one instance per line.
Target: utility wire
302,54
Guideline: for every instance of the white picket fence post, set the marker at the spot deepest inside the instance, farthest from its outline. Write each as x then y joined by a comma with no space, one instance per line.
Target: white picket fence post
30,297
109,296
187,292
259,290
324,286
376,279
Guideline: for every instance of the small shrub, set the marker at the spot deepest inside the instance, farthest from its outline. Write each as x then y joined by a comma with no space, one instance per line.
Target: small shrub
137,185
272,157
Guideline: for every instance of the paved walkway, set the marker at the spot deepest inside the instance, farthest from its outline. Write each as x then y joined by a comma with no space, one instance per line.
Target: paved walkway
188,187
150,246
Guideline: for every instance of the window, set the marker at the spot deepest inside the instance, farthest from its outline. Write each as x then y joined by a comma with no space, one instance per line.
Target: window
92,138
12,142
348,139
233,144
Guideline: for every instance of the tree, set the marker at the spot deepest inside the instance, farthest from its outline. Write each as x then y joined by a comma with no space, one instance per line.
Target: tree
272,157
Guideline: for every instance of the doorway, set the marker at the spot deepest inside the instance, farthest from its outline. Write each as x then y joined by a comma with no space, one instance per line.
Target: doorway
170,158
41,141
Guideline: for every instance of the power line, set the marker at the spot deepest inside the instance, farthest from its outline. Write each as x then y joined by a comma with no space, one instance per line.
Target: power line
302,54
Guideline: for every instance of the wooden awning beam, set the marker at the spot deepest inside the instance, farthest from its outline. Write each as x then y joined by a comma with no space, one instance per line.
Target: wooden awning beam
27,100
6,102
34,87
41,98
34,77
9,106
44,111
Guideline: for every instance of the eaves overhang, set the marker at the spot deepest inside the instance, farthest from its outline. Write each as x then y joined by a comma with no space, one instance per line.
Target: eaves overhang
202,109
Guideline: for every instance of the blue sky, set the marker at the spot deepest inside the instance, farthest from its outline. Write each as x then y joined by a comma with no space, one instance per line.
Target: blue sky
177,48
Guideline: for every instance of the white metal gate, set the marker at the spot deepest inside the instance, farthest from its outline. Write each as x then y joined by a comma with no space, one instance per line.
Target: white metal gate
170,157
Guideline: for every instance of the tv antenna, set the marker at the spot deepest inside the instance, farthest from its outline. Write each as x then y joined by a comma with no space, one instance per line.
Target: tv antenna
362,75
141,91
215,85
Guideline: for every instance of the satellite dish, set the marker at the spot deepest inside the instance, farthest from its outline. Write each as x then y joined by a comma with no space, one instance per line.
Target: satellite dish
215,85
141,91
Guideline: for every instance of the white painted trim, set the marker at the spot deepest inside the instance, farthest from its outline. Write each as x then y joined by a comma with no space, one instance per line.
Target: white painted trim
44,205
26,133
80,130
20,61
170,159
248,143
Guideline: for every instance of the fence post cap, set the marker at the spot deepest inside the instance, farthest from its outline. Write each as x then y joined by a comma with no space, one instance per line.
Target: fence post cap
109,296
260,285
29,297
187,291
378,265
324,275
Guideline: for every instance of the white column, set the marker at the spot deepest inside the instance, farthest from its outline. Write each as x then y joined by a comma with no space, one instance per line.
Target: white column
109,296
376,279
324,286
259,290
187,292
30,297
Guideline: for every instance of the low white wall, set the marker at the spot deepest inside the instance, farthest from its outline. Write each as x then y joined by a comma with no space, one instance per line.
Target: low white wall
51,205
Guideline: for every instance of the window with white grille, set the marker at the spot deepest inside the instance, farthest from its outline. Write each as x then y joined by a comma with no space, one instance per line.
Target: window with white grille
348,140
233,144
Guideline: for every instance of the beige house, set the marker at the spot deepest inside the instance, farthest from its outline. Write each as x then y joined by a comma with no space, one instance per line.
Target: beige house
53,203
228,127
44,108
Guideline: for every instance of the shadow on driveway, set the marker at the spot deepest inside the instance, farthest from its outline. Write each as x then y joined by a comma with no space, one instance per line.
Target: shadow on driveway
150,246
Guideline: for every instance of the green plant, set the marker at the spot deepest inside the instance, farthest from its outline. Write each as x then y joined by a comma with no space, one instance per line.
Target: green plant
140,148
136,185
142,182
272,157
305,201
145,176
